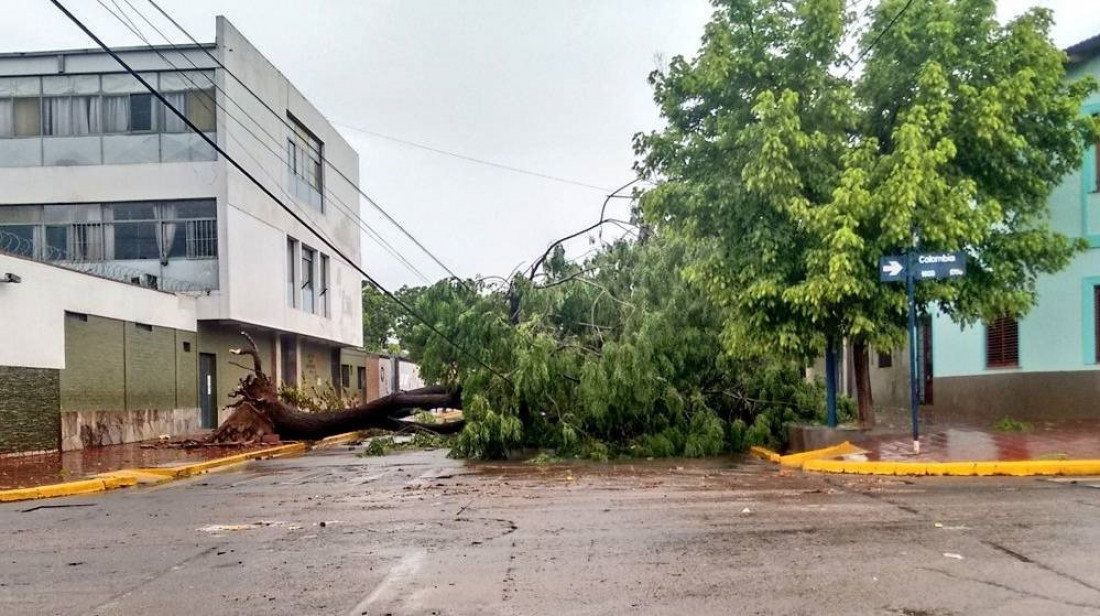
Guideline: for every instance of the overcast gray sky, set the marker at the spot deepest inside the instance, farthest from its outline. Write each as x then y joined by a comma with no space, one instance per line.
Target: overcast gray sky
556,87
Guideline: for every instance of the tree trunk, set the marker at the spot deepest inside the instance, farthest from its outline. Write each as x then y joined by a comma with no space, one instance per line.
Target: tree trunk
259,411
861,363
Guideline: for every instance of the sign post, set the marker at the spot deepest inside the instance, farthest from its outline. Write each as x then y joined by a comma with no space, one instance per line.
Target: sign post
910,268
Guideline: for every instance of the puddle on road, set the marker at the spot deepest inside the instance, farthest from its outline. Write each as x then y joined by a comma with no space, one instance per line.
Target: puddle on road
42,469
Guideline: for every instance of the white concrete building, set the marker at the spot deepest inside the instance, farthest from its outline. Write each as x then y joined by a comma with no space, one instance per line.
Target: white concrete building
99,176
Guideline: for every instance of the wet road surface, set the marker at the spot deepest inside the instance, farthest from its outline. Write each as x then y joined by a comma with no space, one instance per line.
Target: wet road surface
417,533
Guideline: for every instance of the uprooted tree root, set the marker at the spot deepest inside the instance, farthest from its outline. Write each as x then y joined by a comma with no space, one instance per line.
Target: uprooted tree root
258,411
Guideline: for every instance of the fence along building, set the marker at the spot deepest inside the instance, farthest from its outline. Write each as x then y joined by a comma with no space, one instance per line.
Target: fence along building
101,178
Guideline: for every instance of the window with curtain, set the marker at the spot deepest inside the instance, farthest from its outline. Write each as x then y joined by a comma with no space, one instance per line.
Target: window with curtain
27,115
172,122
116,114
1002,343
70,116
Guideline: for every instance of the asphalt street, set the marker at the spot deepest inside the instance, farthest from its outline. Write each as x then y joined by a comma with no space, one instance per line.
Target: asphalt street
418,533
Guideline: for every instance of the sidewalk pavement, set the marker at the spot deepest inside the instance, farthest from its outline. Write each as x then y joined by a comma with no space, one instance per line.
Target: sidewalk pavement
1069,447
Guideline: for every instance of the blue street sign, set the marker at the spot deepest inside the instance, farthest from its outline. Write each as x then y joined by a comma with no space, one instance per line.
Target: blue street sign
891,269
926,266
911,268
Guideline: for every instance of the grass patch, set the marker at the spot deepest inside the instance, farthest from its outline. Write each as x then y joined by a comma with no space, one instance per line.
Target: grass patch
1008,424
382,445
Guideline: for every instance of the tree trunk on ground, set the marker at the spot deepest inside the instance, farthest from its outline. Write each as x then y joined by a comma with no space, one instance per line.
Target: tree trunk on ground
861,363
258,411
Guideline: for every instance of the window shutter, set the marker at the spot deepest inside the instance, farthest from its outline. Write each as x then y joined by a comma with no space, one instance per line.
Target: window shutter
1096,319
1002,344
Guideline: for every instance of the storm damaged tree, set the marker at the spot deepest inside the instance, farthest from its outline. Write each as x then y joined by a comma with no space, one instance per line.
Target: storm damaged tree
806,147
258,410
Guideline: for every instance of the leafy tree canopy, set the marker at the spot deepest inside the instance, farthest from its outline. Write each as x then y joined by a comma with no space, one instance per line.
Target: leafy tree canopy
804,168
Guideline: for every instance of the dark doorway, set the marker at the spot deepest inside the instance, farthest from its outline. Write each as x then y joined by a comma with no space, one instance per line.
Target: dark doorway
208,386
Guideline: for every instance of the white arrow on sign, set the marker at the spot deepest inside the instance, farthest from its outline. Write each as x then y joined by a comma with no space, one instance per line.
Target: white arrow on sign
893,268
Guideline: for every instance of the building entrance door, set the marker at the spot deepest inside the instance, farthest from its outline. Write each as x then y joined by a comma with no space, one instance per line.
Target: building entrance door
208,379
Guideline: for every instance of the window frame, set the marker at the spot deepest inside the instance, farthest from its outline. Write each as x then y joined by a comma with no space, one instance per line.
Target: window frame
1003,334
308,281
291,273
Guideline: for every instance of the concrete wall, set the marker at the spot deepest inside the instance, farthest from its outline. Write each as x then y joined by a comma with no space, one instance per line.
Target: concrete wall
218,339
315,364
33,325
257,227
30,418
125,382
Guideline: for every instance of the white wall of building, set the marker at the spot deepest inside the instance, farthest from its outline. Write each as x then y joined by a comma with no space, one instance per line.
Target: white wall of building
32,328
257,274
252,228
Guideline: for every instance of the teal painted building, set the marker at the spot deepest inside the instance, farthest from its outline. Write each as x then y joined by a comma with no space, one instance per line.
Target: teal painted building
1047,364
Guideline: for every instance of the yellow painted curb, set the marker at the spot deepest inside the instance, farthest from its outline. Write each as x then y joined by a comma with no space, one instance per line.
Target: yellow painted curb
765,454
198,468
338,439
835,451
128,477
69,488
1022,468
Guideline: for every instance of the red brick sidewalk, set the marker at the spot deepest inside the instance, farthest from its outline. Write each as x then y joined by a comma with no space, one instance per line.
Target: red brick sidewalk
1070,439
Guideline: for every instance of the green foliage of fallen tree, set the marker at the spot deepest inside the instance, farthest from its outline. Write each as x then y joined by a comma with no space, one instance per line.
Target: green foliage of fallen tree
619,355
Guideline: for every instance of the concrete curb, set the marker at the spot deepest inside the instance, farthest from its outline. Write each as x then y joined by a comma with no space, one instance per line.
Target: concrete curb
125,478
338,439
819,461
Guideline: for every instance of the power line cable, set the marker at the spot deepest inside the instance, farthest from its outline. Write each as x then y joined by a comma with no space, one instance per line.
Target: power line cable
471,159
877,38
337,202
289,210
373,203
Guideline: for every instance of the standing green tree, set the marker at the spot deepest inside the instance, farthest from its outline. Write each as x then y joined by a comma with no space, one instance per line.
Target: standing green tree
809,141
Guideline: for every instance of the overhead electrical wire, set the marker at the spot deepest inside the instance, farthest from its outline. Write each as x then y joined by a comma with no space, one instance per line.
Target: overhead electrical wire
370,200
471,159
333,198
289,210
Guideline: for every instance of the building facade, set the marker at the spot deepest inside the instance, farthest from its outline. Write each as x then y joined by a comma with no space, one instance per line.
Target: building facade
1046,364
102,178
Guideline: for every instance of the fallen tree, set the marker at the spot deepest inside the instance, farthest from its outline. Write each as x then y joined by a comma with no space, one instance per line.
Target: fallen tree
258,411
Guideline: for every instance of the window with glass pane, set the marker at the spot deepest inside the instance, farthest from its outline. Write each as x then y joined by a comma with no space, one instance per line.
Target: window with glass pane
141,112
57,242
324,285
28,117
304,156
17,240
201,109
7,119
291,280
135,231
308,278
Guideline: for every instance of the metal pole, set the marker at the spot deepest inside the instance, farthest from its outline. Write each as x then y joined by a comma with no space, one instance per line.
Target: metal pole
830,382
913,385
